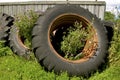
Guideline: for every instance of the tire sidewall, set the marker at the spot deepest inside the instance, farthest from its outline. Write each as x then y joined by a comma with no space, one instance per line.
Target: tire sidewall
73,68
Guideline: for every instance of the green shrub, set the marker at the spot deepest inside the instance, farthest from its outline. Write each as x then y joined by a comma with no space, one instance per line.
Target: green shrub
109,16
115,44
4,50
74,42
25,24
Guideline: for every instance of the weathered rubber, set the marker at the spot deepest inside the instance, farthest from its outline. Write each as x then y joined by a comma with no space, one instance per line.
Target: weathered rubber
47,56
6,22
109,27
16,44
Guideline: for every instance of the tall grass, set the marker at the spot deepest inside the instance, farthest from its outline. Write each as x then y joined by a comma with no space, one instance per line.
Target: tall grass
114,49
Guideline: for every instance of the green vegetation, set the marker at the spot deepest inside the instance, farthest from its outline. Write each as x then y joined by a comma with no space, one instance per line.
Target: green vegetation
13,67
109,16
4,50
74,41
115,47
25,23
114,50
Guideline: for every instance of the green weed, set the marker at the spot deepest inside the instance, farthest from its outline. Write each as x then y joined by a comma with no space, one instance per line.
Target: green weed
114,49
74,41
4,50
25,23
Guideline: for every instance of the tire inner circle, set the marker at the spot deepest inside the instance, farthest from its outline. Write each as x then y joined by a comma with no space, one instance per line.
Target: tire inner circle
60,24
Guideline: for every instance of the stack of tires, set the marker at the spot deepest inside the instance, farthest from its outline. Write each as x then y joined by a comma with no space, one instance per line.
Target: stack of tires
46,54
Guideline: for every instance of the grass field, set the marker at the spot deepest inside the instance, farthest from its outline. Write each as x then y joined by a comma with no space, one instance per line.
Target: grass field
13,67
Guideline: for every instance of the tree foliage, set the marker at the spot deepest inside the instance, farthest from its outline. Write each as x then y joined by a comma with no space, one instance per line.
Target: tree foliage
109,16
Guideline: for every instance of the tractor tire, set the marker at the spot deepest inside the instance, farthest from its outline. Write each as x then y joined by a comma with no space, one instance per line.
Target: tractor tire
109,27
16,44
66,15
5,23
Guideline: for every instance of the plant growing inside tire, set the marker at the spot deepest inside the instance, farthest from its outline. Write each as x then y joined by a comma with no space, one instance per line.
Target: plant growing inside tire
20,34
50,27
74,41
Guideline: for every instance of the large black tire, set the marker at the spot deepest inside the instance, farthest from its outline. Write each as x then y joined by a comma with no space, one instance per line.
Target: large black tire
16,44
49,57
109,27
5,23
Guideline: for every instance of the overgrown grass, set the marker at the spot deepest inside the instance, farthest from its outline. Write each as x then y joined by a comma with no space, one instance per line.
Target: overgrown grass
13,67
115,44
4,50
111,73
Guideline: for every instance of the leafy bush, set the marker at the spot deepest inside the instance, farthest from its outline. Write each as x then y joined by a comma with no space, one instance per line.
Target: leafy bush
4,50
25,23
115,44
74,42
109,16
